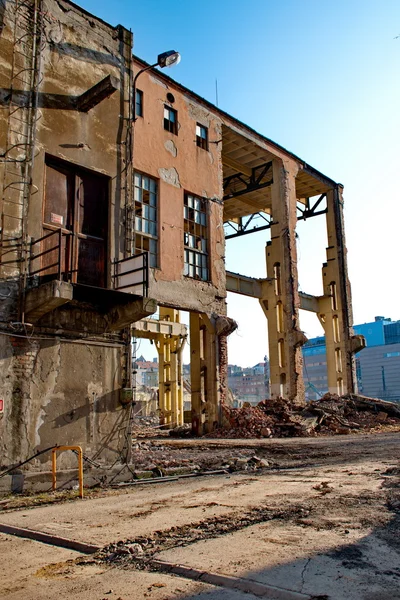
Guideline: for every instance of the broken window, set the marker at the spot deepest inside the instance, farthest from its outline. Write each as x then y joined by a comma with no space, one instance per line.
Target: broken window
201,136
146,220
170,120
195,238
139,103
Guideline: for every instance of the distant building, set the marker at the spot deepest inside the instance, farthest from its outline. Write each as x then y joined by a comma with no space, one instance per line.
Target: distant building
150,377
249,384
377,366
146,372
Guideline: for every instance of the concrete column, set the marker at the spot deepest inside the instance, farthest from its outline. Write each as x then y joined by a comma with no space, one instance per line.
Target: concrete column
281,302
170,375
211,375
335,308
195,373
204,372
161,379
179,352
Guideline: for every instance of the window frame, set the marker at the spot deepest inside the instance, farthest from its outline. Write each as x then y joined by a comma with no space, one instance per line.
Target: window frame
201,141
146,216
170,125
138,103
196,238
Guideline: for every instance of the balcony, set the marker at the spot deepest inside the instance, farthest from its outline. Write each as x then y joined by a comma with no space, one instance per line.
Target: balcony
55,279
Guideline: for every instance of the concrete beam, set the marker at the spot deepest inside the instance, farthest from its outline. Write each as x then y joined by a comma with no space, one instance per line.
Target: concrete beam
241,284
96,94
309,302
123,315
45,298
252,287
151,329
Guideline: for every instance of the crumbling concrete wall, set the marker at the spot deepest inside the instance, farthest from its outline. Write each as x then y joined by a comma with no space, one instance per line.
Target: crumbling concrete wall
60,379
60,392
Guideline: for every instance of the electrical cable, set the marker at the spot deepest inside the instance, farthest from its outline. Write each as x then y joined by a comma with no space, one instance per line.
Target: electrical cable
27,460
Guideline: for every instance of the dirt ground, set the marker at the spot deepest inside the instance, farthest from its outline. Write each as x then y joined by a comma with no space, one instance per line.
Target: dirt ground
290,518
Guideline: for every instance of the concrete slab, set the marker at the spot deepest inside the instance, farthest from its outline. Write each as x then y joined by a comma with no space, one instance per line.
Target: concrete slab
297,558
39,571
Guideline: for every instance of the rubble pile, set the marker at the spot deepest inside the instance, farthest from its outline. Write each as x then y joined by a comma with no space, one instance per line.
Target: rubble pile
144,427
330,415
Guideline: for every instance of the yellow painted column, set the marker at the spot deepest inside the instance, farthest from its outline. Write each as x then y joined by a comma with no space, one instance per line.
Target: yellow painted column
180,346
160,345
204,370
170,375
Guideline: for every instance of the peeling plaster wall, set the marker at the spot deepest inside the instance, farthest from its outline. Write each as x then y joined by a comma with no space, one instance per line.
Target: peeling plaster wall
181,166
58,391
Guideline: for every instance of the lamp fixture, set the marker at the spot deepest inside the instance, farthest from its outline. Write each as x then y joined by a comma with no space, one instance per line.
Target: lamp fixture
165,59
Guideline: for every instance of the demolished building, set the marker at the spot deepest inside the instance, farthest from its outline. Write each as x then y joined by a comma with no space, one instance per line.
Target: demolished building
114,191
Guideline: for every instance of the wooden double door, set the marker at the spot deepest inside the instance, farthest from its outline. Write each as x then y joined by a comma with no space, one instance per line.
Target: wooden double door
75,201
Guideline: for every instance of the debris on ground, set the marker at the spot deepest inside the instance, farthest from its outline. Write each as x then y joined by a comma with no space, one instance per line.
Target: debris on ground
331,415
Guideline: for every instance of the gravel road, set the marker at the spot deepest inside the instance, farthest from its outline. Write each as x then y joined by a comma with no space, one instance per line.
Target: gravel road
320,521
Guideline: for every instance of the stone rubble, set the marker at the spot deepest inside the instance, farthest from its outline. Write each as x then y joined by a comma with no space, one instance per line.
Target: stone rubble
331,415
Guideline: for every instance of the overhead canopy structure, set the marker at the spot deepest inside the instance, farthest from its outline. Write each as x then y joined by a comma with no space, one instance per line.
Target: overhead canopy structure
247,175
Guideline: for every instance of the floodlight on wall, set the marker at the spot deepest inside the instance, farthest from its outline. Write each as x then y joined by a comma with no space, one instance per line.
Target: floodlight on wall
165,59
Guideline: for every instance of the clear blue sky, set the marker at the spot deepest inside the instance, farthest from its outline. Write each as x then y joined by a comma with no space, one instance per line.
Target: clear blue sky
322,79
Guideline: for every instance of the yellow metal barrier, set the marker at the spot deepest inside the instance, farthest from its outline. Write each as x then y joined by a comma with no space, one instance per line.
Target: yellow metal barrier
77,449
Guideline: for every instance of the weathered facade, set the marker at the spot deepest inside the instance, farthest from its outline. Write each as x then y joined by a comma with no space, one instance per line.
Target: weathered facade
65,184
104,159
72,212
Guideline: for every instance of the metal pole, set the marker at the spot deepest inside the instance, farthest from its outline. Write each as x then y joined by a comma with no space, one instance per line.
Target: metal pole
80,471
54,468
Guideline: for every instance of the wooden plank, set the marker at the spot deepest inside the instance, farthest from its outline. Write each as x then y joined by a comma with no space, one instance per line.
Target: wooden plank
236,165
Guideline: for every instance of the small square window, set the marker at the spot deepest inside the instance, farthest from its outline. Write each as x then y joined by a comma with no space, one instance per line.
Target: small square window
139,103
170,120
202,136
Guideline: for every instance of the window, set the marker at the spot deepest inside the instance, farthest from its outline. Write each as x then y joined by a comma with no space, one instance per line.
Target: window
139,103
391,354
170,120
195,237
146,235
202,136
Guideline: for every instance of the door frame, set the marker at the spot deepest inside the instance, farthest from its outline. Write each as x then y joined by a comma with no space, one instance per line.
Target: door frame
71,258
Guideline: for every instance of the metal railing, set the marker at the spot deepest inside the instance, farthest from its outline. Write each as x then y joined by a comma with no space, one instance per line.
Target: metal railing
78,451
58,248
132,274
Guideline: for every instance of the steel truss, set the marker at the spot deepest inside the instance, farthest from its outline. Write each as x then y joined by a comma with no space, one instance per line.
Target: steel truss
247,184
243,226
306,211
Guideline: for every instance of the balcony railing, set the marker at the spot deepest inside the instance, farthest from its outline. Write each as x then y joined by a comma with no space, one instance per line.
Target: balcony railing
132,274
49,259
36,266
